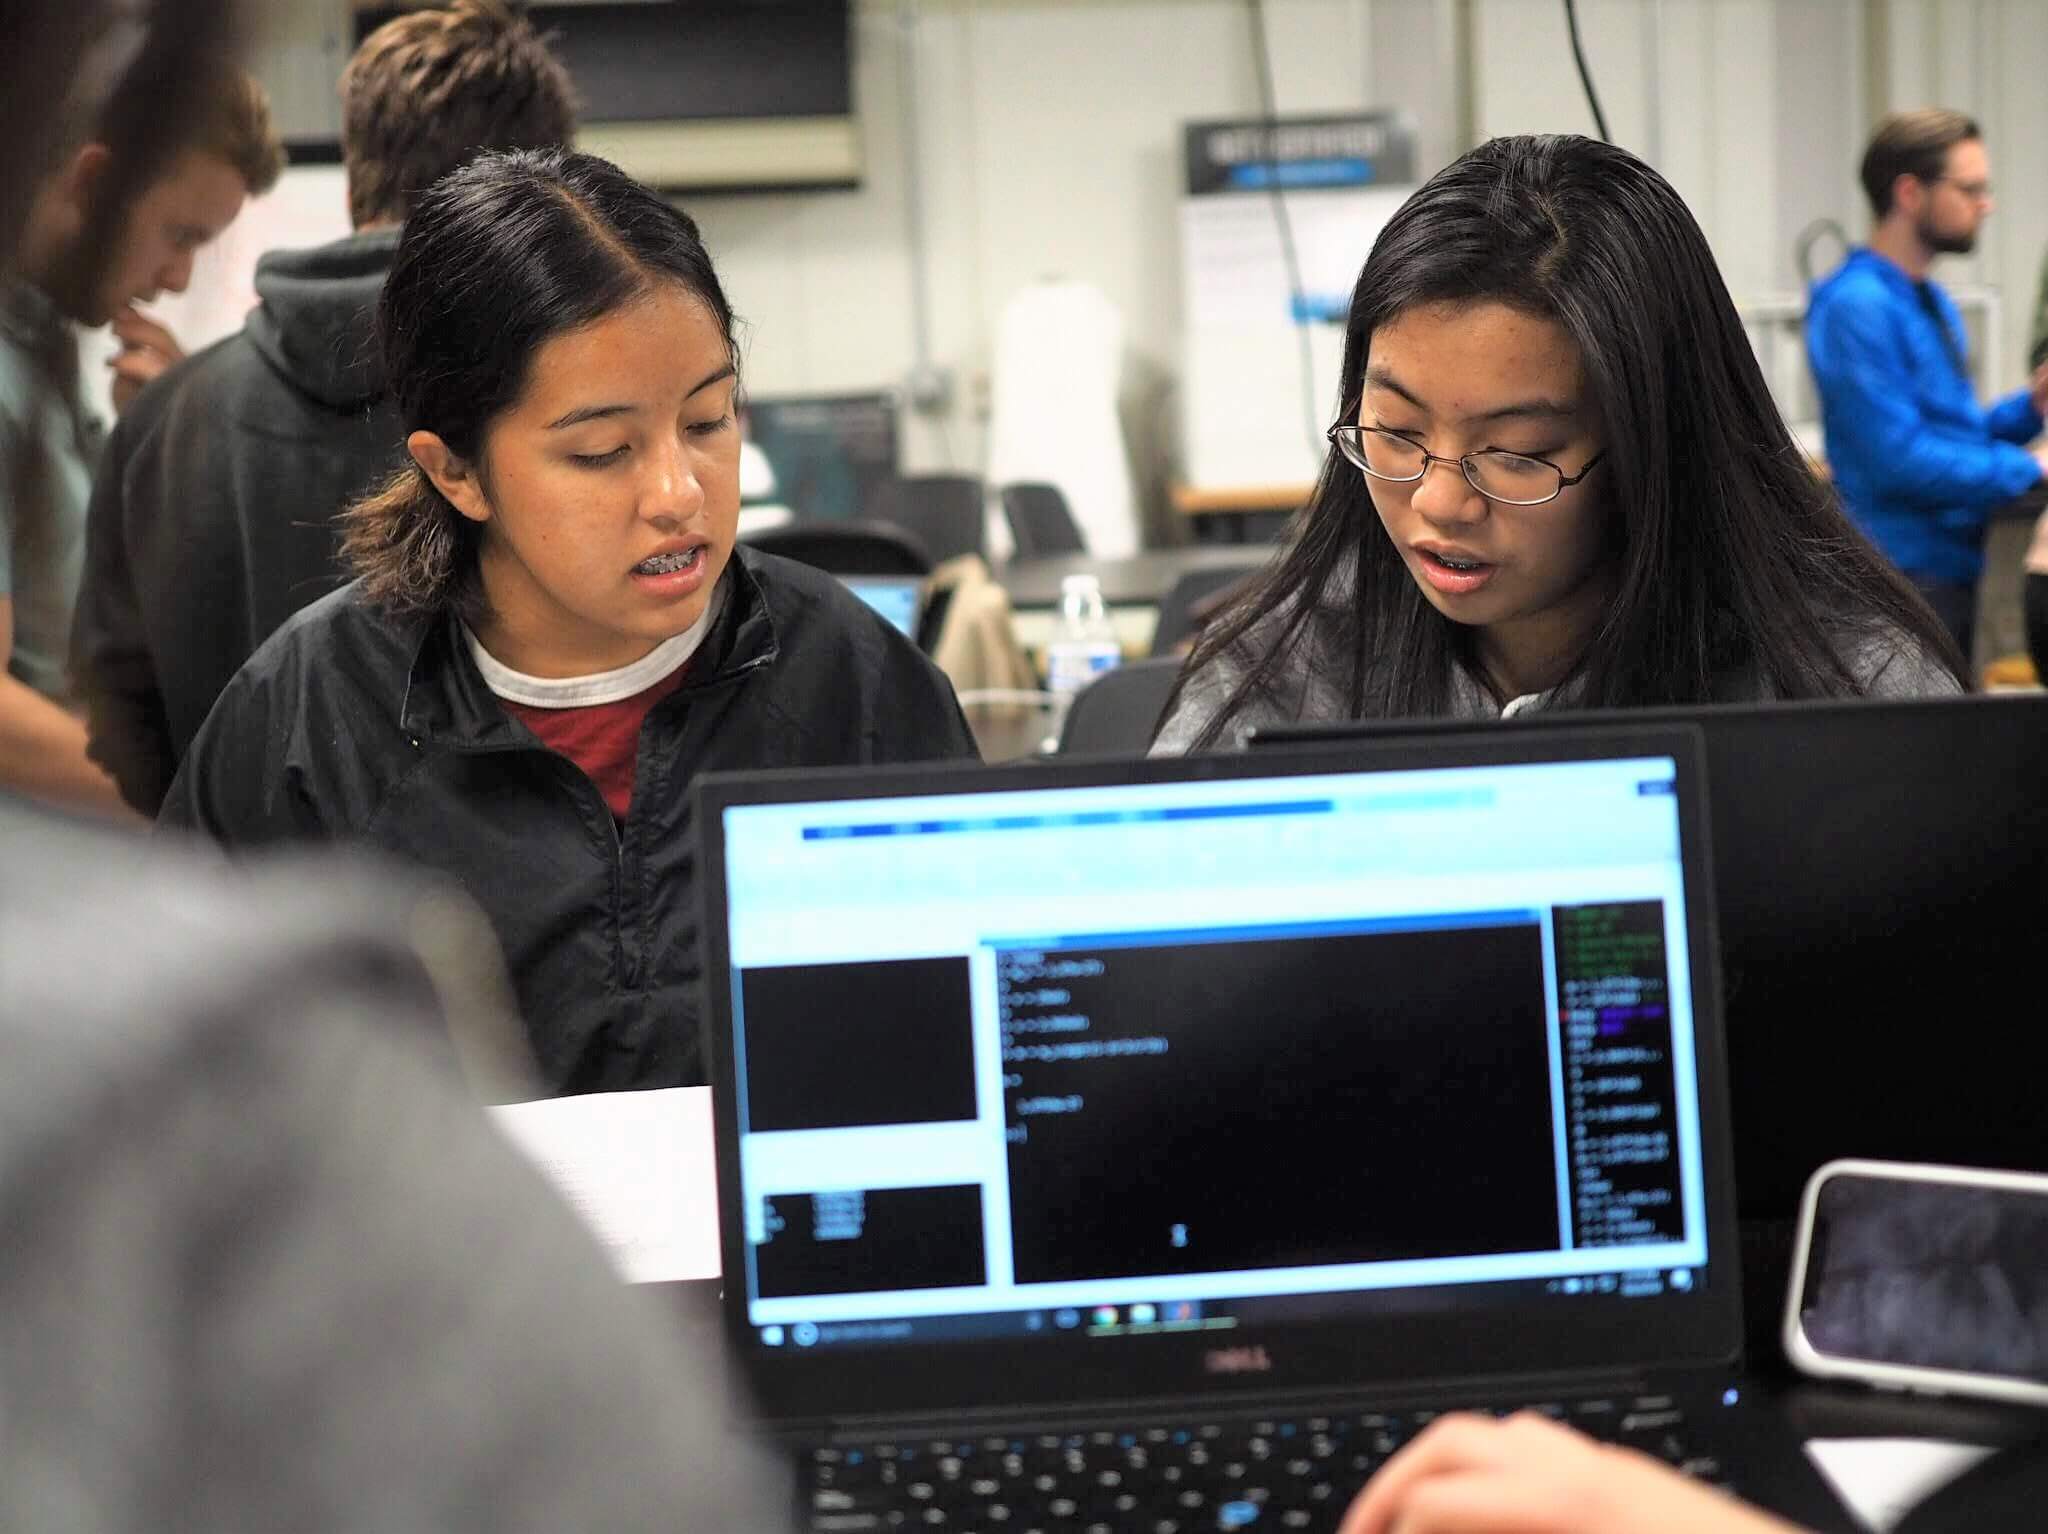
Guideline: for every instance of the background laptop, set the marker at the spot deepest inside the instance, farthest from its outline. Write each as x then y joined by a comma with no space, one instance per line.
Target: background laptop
1157,1145
1881,874
900,599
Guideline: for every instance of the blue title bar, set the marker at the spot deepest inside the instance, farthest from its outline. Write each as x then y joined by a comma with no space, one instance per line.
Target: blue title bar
1070,818
1269,931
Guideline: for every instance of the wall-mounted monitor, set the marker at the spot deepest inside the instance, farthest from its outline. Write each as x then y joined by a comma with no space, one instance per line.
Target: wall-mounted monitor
834,455
706,95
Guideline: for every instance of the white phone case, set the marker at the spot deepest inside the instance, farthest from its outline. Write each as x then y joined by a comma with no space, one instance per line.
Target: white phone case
1959,1382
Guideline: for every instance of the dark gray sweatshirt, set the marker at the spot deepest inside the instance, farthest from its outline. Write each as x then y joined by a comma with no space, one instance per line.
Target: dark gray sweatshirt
212,518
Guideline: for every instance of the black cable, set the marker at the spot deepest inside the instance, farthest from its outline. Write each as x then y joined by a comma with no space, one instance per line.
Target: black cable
1571,20
1262,59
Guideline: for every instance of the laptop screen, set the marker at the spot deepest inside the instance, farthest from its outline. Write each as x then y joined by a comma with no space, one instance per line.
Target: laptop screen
896,600
1127,1059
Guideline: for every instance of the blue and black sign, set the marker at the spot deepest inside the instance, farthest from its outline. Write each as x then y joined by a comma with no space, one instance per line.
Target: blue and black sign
1241,155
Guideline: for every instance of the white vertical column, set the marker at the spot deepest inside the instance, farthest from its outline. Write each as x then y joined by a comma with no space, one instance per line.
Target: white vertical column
2017,57
1419,52
1747,145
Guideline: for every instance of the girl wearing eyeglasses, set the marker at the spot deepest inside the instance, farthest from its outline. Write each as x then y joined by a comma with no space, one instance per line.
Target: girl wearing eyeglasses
1557,480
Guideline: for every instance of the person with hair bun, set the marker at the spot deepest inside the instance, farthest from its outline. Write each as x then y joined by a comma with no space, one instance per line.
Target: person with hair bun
1556,480
552,629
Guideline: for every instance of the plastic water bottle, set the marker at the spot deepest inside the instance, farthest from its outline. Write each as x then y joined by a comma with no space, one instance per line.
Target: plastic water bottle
1083,647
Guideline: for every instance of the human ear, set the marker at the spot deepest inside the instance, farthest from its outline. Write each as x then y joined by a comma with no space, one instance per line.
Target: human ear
84,172
67,196
451,474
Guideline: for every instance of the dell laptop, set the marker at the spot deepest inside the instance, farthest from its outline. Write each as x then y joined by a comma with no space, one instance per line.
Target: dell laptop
1159,1146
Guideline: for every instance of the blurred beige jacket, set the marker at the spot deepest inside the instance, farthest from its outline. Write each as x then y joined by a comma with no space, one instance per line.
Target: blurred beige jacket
977,644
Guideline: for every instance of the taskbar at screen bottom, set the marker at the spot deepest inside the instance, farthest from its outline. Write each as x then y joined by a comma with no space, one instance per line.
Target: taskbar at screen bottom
1178,1317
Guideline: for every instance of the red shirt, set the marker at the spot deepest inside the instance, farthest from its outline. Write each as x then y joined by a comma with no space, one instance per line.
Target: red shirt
601,738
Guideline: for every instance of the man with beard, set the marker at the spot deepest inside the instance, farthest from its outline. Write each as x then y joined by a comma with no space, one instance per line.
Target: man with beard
1919,463
71,271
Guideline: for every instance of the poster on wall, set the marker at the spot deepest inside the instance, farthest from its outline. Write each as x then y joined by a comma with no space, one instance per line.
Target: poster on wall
1249,420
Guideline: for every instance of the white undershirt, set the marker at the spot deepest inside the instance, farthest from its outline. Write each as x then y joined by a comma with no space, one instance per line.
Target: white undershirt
602,687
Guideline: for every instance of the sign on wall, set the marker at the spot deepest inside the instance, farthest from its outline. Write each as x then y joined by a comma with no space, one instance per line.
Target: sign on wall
1248,420
1371,149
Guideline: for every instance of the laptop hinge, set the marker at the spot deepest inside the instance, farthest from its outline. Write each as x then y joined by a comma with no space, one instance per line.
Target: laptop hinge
1490,1391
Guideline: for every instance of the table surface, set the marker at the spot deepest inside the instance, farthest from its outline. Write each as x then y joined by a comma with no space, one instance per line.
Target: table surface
1141,579
1009,732
1204,501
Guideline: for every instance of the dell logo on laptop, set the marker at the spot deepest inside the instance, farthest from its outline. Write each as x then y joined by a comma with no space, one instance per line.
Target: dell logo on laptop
1253,1360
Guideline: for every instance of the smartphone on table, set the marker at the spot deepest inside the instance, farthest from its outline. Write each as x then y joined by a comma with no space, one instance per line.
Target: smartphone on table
1910,1276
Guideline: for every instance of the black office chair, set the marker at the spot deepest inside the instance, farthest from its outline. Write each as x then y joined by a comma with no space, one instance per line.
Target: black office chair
1040,522
945,512
1191,594
847,548
1119,710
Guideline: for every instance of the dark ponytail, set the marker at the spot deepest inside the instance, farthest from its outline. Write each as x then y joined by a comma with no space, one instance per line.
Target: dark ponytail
412,551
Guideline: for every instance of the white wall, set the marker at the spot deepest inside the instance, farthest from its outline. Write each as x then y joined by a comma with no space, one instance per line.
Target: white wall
1758,111
1687,84
1049,130
1049,134
1050,144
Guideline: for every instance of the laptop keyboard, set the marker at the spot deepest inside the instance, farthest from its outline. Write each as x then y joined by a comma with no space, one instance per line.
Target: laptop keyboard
1272,1473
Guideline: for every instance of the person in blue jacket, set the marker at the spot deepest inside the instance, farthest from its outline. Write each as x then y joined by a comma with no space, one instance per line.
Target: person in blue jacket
1919,463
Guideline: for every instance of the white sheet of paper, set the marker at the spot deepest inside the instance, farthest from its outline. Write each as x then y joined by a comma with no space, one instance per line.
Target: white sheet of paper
1881,1479
638,1167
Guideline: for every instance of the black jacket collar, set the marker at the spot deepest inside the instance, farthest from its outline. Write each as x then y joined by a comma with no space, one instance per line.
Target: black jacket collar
448,703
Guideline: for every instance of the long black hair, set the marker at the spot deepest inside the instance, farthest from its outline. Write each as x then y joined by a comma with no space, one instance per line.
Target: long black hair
496,259
1734,557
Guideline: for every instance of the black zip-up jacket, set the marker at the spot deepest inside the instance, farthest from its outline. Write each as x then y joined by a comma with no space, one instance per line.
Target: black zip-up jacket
349,724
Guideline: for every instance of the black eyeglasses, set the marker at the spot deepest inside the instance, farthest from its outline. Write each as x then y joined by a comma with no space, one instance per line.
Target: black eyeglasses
1513,479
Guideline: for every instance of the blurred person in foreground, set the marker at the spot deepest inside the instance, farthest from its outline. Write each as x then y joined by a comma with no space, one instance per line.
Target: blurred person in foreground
213,514
267,1265
73,267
